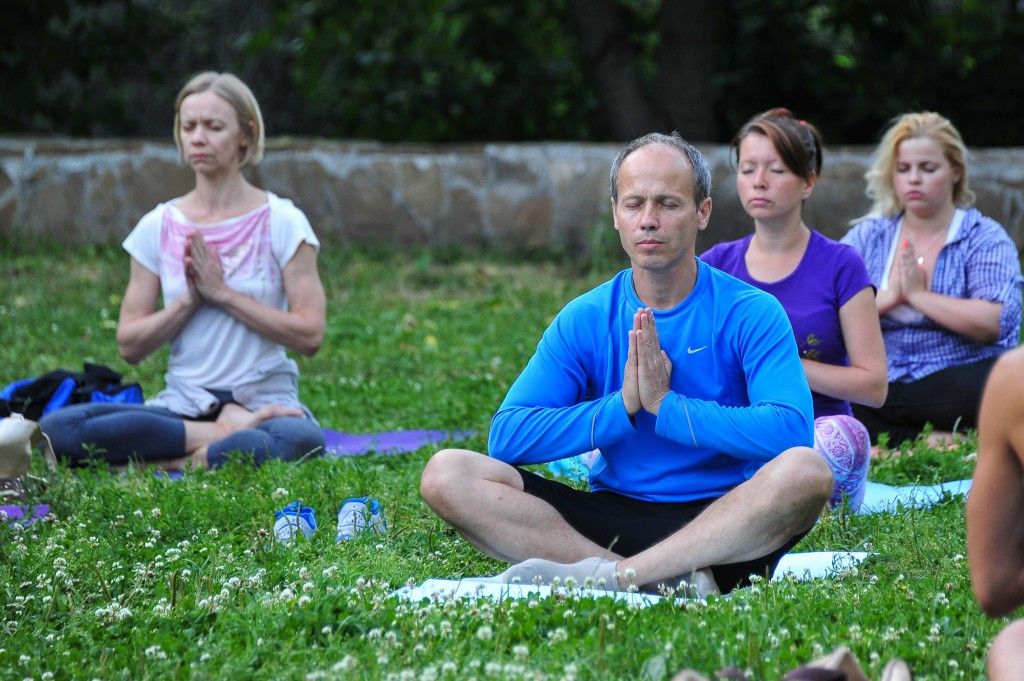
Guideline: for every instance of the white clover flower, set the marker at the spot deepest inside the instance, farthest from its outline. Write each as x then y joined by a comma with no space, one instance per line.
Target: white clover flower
155,653
449,667
286,594
326,631
155,512
484,633
345,664
303,572
213,532
24,659
138,513
205,657
558,635
304,601
492,669
279,493
521,651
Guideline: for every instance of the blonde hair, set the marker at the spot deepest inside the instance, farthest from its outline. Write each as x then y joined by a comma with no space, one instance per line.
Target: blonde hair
923,124
232,90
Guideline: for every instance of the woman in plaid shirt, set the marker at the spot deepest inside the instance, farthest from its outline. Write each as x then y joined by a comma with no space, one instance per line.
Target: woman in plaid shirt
948,280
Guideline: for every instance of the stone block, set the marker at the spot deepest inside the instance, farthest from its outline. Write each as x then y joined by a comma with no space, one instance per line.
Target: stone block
521,223
5,182
53,206
7,212
309,185
508,168
371,215
580,193
105,200
154,180
422,188
469,169
462,224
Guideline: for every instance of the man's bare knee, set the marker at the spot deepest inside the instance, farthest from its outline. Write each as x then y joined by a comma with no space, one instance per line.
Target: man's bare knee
800,475
441,475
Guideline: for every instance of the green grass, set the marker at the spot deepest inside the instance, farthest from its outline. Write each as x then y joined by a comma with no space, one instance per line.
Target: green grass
141,578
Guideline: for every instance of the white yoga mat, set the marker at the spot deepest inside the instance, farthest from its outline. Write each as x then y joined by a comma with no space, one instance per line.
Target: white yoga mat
817,564
879,498
799,566
480,587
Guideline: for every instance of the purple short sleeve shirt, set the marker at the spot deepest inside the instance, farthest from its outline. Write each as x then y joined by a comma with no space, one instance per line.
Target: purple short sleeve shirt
827,277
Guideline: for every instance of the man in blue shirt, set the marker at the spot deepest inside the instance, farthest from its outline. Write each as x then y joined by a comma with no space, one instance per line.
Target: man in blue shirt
689,383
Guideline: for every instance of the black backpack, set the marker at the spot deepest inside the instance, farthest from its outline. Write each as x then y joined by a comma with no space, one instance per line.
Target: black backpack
35,397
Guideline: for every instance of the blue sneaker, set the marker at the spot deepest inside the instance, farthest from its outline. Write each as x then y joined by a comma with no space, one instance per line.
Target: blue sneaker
291,520
358,514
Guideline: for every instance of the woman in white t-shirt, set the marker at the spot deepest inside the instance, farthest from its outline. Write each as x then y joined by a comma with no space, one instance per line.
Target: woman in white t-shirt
236,268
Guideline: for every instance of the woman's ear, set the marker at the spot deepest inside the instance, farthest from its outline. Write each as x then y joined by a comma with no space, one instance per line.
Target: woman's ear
809,185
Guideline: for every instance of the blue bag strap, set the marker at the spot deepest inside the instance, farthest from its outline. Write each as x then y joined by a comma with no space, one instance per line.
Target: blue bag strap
62,395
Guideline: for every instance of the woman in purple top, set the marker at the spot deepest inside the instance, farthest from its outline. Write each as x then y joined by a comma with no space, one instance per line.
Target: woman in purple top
822,285
948,280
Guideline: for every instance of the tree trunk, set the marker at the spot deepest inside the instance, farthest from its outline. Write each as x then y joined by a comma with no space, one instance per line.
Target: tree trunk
601,29
686,67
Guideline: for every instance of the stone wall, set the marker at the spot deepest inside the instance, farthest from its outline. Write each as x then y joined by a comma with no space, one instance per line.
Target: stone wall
505,197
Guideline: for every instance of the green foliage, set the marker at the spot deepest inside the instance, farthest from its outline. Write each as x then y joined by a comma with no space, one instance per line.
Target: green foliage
467,70
851,66
138,577
440,70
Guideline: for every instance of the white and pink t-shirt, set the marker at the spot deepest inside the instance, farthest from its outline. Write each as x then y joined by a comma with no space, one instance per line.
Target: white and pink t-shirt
214,350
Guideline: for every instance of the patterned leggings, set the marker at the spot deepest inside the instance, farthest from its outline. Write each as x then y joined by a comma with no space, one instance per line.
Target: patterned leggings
844,443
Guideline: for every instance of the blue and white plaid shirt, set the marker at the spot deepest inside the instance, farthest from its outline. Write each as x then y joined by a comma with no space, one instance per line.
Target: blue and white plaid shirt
980,262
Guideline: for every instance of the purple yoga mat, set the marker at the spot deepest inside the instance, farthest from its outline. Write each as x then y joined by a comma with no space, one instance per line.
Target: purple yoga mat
394,442
37,512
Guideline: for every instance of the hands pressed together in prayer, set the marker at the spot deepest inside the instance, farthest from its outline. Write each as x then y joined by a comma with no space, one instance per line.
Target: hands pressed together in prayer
908,275
646,376
203,271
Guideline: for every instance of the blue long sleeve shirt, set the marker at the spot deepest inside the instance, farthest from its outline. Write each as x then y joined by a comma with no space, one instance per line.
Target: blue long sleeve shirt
738,395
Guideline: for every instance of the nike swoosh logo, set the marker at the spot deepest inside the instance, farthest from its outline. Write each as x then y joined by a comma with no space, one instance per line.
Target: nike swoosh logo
691,351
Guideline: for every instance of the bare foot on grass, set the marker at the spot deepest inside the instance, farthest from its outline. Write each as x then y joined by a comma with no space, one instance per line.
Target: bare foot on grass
234,417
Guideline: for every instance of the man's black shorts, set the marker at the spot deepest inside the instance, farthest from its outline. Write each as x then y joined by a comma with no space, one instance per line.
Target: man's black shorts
628,526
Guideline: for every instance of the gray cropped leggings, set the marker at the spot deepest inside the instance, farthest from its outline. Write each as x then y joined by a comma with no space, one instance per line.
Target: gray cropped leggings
119,433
